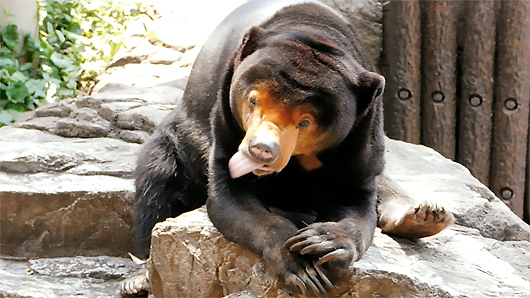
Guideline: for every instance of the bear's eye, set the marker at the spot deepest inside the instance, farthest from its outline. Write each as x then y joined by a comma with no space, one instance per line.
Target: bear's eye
252,101
304,123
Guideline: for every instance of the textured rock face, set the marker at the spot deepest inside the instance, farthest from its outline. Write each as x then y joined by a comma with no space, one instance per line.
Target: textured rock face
366,16
65,196
485,254
89,277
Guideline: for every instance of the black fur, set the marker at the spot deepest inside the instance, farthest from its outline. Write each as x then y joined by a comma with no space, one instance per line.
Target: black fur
185,163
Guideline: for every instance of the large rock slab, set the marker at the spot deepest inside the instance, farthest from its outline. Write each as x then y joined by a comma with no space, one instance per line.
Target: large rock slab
485,254
65,196
89,277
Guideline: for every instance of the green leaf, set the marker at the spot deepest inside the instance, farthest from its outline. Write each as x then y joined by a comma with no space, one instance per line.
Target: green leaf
17,93
34,86
72,84
4,74
60,60
65,93
6,62
4,51
30,45
18,76
60,35
76,38
26,66
6,118
10,36
49,27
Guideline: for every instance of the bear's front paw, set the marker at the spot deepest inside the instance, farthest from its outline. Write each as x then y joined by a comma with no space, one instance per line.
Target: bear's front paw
309,280
325,243
301,276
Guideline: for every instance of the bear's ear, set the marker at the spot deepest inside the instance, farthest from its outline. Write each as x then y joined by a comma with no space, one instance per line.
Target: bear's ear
369,86
249,44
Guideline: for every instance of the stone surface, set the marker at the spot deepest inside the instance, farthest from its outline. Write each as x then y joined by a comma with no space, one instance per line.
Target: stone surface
143,118
485,254
82,128
46,215
31,151
65,196
366,16
64,277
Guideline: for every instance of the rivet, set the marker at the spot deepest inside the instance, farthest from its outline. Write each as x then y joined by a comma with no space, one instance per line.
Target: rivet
437,96
510,104
404,94
506,193
475,100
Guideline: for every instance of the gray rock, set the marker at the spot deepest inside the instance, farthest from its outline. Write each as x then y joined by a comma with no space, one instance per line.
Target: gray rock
165,56
134,136
139,51
189,257
63,277
45,123
49,153
143,118
25,117
141,75
64,197
88,102
81,128
65,215
116,87
128,59
104,268
15,135
110,111
366,16
178,83
151,95
60,109
86,113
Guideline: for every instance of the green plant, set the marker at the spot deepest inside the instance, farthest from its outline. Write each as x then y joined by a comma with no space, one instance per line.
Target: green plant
77,40
22,87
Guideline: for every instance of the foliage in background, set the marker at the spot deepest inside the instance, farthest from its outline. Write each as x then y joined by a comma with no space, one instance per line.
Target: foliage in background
77,40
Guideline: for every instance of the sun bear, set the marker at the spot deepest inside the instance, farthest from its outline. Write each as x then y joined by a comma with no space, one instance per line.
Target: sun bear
280,134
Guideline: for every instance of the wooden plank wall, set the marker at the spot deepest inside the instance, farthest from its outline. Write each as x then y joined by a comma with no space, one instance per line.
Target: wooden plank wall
476,93
458,80
438,80
400,63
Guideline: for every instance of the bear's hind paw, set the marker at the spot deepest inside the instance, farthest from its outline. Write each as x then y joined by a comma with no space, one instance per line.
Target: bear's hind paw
424,220
136,285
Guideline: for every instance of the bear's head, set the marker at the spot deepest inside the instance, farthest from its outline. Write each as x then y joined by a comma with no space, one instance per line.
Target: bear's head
297,94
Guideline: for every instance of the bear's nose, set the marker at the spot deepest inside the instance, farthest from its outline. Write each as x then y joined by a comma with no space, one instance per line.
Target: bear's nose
263,150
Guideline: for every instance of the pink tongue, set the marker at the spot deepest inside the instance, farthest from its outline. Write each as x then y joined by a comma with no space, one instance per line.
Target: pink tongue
240,165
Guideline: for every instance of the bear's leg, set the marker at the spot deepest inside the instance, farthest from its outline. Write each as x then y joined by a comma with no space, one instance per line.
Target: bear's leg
166,186
402,216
